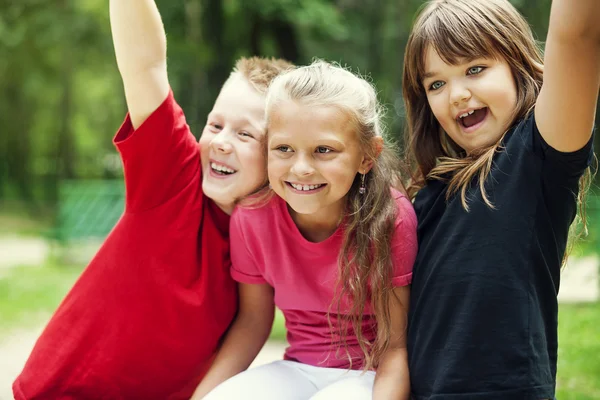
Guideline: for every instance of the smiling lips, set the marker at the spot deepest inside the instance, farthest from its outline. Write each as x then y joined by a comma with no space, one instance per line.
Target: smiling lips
298,187
473,117
221,169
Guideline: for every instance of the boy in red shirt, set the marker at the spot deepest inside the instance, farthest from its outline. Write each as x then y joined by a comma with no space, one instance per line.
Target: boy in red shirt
145,318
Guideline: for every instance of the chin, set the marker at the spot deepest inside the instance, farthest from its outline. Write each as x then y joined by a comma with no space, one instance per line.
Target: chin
303,209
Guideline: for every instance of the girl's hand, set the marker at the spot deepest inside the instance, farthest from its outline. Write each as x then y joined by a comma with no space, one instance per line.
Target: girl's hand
566,105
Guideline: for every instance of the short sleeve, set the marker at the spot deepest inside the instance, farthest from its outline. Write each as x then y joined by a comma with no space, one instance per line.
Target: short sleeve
563,167
404,242
160,158
244,268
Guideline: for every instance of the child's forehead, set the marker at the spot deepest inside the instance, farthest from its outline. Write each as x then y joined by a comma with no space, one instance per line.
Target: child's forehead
237,118
239,104
433,58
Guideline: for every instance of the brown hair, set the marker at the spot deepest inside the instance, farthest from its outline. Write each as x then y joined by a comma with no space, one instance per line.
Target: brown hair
462,30
260,72
365,262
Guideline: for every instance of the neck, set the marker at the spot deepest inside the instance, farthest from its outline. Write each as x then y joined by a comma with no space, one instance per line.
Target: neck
319,226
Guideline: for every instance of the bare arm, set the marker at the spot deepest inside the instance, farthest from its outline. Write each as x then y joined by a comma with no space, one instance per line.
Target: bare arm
392,381
245,338
567,102
141,50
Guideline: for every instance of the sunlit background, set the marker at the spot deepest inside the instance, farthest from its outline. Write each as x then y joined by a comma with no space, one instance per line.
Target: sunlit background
61,102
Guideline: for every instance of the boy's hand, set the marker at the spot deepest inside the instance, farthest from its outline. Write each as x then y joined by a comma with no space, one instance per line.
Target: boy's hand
141,51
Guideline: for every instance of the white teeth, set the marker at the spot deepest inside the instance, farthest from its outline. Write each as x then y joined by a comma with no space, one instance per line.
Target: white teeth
305,187
222,168
466,114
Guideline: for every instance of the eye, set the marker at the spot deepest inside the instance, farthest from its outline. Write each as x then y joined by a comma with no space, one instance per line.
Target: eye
284,149
323,150
436,85
245,134
475,70
215,127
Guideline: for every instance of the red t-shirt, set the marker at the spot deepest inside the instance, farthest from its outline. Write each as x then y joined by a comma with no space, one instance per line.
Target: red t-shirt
145,318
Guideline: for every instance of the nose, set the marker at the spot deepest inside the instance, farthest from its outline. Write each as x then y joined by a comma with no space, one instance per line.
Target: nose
221,143
459,93
302,166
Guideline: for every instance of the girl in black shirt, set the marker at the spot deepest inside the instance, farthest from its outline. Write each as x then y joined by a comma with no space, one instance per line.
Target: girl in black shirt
501,143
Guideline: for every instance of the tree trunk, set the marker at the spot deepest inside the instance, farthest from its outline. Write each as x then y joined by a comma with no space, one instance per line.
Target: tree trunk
287,40
196,85
221,64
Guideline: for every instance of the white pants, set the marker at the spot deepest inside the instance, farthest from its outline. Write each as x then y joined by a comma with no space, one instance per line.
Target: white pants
290,380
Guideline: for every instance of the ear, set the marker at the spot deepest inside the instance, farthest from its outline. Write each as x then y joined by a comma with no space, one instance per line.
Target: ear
367,163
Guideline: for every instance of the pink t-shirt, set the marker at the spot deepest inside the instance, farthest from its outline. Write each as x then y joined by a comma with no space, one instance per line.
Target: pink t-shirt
267,247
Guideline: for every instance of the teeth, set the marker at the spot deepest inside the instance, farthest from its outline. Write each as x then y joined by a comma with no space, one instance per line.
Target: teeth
222,168
466,114
305,187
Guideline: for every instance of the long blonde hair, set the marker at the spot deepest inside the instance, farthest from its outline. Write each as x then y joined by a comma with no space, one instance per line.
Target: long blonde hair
462,30
365,263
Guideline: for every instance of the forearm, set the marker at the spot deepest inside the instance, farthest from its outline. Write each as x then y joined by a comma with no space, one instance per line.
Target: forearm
392,381
138,35
242,344
141,51
578,19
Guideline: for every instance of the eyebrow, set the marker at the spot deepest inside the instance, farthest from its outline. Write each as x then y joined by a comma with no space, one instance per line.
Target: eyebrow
428,75
243,121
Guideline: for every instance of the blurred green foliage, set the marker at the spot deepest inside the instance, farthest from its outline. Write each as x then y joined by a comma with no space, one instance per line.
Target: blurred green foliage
62,98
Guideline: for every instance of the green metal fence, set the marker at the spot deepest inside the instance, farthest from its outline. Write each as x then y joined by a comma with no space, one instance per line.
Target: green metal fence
88,209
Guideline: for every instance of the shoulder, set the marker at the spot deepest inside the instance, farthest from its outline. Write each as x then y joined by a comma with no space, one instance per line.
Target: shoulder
406,215
255,213
525,137
428,195
167,117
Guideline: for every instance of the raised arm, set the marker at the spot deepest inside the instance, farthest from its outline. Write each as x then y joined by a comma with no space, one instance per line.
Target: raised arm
247,335
141,51
566,105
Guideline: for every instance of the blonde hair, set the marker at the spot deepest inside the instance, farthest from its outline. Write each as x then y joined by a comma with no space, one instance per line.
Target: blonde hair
260,72
365,262
463,30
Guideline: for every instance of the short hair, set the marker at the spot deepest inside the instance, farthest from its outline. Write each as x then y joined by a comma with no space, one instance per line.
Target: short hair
260,71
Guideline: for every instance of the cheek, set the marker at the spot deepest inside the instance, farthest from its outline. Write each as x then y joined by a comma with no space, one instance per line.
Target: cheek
341,172
439,109
275,168
253,160
204,143
204,147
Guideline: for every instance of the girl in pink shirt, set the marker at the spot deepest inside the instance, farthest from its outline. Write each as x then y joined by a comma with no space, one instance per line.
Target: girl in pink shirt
333,249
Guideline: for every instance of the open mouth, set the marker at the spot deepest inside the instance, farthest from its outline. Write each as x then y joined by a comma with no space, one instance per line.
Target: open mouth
220,169
472,118
305,188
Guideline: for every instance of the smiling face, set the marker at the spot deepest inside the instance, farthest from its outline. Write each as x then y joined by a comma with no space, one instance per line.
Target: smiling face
474,101
232,144
314,156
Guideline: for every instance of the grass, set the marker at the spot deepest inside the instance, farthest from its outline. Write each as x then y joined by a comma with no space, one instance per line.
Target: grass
16,219
579,352
28,296
278,332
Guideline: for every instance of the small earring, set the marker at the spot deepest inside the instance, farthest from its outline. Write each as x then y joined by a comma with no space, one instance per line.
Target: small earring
362,188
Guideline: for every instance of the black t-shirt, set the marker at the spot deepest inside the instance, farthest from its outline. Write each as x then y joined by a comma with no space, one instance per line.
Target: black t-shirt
483,311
